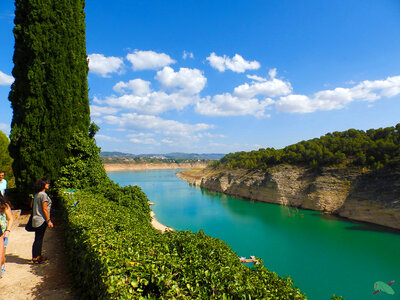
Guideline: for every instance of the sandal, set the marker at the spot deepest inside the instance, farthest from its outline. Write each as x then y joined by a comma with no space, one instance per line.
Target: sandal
37,260
42,258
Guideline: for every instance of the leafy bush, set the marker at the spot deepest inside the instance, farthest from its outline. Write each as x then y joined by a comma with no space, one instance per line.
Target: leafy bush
83,167
115,253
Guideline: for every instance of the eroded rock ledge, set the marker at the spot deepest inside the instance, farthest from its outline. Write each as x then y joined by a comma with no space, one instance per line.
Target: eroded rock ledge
363,196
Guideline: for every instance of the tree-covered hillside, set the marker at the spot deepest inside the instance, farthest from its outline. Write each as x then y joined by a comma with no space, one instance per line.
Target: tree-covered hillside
374,148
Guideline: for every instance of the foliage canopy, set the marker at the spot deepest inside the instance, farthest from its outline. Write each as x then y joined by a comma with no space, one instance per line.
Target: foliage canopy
49,96
374,148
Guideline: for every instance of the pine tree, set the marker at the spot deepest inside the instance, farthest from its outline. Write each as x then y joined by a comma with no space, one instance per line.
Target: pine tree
49,96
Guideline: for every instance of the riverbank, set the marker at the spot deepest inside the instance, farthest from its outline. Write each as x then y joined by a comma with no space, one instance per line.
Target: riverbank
371,197
157,225
151,166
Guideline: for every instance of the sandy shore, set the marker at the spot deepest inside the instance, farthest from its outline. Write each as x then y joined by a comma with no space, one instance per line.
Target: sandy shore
157,225
133,167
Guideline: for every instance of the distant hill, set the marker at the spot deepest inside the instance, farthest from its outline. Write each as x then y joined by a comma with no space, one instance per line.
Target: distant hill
174,155
374,148
116,154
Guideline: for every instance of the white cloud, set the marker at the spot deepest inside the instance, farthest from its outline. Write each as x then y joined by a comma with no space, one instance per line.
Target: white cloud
146,141
139,87
136,122
103,66
187,54
97,100
210,135
230,105
339,98
5,128
295,104
153,103
236,64
6,79
256,78
149,60
101,110
388,87
167,141
137,95
191,81
107,138
271,88
143,138
272,73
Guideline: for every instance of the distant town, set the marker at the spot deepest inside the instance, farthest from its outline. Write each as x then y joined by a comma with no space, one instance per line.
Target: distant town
176,157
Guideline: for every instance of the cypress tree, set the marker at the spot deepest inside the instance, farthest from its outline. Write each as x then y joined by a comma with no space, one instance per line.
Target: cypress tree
49,96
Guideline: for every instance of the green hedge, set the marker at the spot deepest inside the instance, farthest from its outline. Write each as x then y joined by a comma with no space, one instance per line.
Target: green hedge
115,253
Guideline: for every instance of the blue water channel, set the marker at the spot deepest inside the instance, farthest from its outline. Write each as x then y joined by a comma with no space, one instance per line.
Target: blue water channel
324,255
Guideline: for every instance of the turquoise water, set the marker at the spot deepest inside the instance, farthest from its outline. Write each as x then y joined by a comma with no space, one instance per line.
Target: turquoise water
324,255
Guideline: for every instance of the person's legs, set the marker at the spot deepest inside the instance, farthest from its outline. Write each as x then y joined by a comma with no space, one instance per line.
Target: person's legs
3,259
37,244
1,249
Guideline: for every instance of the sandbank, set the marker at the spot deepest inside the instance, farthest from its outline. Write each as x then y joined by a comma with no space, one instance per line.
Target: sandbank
157,225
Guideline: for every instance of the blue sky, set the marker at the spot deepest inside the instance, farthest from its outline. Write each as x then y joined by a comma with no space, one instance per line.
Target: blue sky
225,76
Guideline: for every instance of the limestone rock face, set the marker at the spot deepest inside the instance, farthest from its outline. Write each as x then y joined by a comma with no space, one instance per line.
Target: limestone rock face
364,196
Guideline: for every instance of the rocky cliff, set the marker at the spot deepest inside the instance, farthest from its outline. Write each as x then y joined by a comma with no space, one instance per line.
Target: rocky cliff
364,196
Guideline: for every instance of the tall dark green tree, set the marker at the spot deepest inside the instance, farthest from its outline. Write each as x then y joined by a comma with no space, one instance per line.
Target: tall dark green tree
49,96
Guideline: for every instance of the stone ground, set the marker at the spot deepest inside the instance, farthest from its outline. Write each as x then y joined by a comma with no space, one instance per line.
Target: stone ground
23,280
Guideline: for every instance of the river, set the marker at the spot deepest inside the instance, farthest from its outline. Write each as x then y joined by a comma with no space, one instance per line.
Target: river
324,255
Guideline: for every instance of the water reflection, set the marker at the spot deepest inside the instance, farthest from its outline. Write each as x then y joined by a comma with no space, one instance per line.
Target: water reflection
357,225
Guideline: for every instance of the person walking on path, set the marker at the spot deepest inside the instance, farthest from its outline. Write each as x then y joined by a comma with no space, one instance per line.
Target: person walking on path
40,218
3,183
1,246
6,222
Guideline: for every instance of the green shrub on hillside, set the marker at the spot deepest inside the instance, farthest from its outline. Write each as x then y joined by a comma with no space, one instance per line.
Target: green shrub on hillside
115,253
83,168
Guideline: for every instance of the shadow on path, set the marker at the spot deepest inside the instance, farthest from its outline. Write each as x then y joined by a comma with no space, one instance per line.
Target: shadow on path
11,258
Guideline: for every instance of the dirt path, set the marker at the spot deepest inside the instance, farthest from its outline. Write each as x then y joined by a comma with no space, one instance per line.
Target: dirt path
23,280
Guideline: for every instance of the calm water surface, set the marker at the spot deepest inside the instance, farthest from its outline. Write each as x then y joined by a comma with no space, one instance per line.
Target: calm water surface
322,254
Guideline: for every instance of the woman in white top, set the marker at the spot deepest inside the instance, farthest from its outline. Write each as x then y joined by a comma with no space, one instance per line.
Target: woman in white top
40,218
